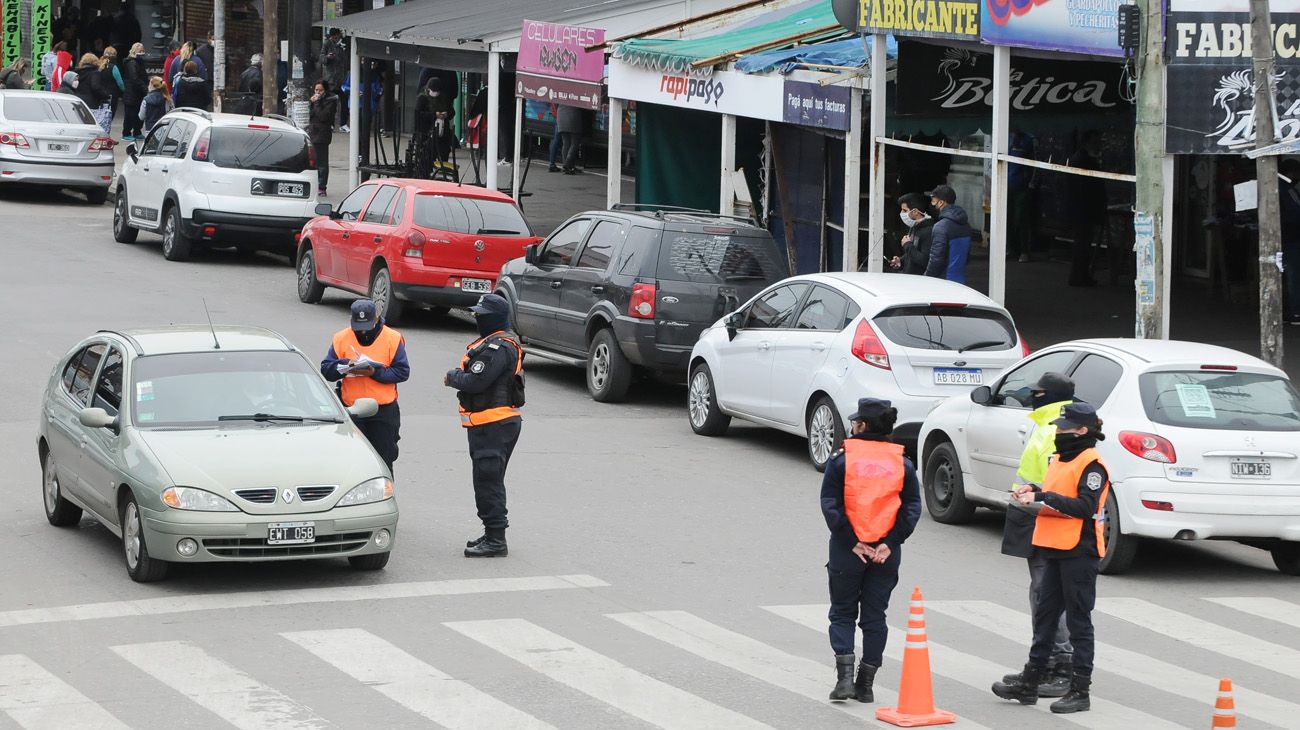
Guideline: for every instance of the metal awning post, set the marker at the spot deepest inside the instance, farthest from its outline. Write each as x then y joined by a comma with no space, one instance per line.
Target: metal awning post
516,177
999,143
354,115
614,163
493,119
876,153
727,195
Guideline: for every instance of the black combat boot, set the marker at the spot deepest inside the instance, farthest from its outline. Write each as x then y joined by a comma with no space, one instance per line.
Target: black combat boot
493,545
1023,687
1077,699
862,690
843,677
476,541
1058,681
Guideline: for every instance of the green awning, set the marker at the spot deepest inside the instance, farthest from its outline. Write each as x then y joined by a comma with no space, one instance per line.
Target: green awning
805,23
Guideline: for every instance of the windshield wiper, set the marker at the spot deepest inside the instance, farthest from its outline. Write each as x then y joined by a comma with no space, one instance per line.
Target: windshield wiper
264,417
982,345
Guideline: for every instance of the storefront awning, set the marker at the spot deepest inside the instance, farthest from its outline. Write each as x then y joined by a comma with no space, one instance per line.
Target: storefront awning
804,23
847,53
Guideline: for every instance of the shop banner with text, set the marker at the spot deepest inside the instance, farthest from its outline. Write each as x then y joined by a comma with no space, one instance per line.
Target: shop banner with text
1077,26
938,81
555,66
1210,72
11,30
41,38
724,92
814,105
956,19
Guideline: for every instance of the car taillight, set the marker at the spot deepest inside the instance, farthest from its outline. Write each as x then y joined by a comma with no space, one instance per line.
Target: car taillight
102,143
1157,505
201,147
14,139
1228,368
1148,446
415,241
311,157
1024,345
259,126
868,348
642,304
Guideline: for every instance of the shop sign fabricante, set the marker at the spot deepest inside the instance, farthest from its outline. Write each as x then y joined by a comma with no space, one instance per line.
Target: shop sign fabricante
814,105
555,66
1076,26
956,19
937,81
724,92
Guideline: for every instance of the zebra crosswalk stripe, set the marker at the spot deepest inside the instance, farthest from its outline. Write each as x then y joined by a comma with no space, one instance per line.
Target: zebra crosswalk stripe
1273,609
1204,634
1131,665
410,682
37,700
218,687
598,676
980,674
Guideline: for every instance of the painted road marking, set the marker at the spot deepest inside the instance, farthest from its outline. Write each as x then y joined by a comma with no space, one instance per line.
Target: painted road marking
37,700
257,599
600,677
1131,665
220,688
410,682
1273,609
980,674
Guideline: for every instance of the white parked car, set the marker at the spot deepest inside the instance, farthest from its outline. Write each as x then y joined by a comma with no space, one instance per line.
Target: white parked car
799,355
218,180
1201,443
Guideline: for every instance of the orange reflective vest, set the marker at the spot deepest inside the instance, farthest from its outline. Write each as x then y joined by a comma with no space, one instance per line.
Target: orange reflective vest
496,413
383,350
1062,532
873,481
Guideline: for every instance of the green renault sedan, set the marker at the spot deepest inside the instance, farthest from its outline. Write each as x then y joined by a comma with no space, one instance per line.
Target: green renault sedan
209,444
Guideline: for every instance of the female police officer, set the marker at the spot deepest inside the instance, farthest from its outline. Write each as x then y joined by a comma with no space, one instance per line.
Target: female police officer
1068,535
871,500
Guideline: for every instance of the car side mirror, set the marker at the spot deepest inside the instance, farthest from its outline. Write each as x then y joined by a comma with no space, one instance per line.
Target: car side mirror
97,418
325,209
732,322
132,152
530,255
982,395
364,407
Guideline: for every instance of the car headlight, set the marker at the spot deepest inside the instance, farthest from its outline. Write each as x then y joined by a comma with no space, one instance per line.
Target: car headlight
371,490
196,499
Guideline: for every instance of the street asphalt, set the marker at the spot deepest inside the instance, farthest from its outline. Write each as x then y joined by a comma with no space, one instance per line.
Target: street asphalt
655,579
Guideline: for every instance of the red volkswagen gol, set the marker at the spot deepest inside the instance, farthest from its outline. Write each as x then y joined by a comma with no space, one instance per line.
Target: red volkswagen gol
411,242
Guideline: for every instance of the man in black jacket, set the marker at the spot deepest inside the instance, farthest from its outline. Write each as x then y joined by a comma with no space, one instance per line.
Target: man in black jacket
916,244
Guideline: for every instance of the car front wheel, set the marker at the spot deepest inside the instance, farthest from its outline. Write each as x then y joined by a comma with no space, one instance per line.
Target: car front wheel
702,404
122,230
945,489
825,432
176,245
609,374
310,290
1121,549
139,564
385,299
59,511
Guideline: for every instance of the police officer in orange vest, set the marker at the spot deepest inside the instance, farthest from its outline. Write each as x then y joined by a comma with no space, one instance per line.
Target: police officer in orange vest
489,382
1068,534
368,360
871,500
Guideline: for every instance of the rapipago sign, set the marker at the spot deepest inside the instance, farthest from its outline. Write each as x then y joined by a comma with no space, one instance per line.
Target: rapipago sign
956,19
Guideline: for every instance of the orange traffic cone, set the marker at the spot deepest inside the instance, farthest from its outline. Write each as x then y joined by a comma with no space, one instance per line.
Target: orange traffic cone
915,694
1225,712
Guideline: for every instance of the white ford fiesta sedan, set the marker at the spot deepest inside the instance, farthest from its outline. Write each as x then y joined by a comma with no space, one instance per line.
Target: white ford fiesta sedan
799,355
1202,442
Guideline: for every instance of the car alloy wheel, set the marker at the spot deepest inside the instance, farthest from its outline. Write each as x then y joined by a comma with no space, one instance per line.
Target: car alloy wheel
821,432
169,236
306,274
700,398
131,534
119,215
600,366
51,490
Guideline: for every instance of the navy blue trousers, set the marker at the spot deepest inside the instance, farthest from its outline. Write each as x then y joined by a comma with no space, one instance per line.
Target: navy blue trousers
859,597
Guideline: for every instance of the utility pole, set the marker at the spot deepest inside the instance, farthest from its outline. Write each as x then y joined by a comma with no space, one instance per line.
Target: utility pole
218,53
270,56
1149,157
1270,232
301,73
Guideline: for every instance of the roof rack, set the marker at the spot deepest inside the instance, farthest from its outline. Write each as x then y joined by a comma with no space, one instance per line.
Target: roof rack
194,110
135,345
659,211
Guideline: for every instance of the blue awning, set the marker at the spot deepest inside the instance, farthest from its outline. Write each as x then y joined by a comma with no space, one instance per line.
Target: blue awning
850,52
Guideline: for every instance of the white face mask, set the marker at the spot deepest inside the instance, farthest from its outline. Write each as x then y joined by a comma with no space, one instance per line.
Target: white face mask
906,217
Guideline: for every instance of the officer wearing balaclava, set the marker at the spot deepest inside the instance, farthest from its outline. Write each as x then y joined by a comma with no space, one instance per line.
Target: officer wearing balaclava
489,385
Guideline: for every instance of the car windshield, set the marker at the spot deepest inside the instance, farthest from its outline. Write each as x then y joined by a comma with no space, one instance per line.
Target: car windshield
196,389
53,109
707,257
474,216
930,327
269,150
1225,400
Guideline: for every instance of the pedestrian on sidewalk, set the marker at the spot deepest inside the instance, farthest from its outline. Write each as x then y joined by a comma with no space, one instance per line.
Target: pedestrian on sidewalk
189,89
1087,206
1048,397
556,141
1068,537
112,71
169,73
871,500
250,87
1021,207
92,89
334,66
368,360
917,242
320,130
568,123
490,389
136,87
1289,188
950,238
12,76
154,105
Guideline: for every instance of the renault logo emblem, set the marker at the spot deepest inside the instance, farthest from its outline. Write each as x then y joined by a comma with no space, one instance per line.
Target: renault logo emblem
287,495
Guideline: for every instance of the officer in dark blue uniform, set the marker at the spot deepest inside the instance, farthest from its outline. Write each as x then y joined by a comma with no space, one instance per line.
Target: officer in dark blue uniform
871,500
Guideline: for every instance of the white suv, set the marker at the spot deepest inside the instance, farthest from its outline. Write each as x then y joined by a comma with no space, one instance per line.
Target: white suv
204,179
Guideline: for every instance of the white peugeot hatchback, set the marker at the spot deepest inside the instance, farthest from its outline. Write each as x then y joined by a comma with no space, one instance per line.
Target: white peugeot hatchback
1202,442
798,356
218,180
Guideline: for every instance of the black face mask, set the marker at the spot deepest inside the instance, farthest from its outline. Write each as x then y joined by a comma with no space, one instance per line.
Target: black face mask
491,322
368,337
1070,445
1038,400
